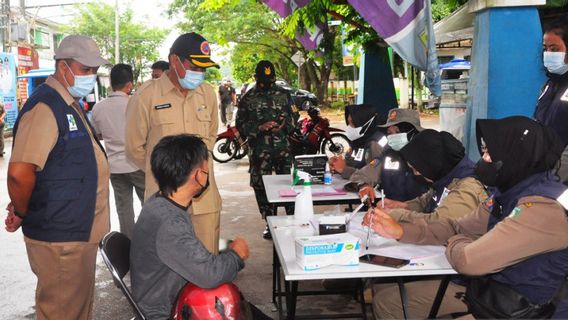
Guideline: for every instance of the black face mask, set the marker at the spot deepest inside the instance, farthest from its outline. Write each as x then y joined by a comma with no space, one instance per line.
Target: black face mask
265,85
203,188
488,172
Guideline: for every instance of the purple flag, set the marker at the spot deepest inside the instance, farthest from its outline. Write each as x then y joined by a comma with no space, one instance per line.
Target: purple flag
285,7
311,39
406,25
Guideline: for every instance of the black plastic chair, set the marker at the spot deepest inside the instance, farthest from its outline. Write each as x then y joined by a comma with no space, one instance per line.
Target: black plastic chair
115,249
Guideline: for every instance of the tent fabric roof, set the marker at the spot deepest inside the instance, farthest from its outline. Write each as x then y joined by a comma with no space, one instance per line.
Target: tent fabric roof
455,27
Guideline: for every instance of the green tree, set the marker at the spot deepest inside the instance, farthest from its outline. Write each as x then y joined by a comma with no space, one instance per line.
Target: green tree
138,43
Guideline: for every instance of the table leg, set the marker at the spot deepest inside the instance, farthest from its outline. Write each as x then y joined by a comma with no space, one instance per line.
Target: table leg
293,299
439,296
276,281
362,298
288,294
403,297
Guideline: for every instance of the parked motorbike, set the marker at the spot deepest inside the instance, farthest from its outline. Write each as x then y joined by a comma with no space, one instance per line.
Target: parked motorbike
315,135
229,145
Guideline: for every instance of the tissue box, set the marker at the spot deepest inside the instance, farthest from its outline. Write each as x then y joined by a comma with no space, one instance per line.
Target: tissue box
320,251
331,224
314,164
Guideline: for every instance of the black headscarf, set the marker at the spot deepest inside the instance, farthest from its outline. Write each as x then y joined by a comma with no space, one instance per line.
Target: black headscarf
361,113
434,154
523,145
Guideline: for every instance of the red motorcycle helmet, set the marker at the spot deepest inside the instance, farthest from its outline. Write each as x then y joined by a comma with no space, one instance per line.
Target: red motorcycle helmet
221,303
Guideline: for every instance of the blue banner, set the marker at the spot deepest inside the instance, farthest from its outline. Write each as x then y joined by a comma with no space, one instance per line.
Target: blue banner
8,88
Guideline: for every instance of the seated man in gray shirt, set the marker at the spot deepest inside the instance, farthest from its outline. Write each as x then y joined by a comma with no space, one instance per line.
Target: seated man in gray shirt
165,253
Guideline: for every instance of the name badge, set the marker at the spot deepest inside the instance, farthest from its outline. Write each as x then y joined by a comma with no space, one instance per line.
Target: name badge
163,106
72,122
564,96
383,142
358,156
444,195
543,92
391,165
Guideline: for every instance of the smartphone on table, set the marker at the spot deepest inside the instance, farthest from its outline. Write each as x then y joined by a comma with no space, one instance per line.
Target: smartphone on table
383,261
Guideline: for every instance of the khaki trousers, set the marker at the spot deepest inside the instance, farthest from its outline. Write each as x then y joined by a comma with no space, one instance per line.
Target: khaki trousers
206,228
65,278
420,294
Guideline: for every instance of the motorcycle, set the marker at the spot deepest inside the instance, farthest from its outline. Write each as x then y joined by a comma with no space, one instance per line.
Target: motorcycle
229,145
315,135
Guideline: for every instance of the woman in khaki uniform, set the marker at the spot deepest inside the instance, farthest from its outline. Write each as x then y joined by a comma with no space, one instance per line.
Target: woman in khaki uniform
438,160
517,237
173,104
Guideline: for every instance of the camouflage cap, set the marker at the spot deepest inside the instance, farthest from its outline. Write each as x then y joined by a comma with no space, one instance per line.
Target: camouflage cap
399,115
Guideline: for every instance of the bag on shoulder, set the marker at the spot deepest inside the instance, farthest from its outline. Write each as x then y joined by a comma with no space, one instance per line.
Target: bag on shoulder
491,299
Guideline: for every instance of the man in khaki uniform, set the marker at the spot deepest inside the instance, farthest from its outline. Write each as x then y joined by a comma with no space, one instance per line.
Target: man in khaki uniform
179,102
58,184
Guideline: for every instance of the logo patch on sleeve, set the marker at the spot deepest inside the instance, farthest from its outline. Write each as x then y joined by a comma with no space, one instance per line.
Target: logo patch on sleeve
374,163
488,204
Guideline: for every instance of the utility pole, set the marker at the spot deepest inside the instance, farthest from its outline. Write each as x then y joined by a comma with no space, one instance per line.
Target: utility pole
117,35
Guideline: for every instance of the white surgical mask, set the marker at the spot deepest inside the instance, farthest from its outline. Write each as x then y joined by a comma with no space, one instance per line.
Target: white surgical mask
83,85
398,140
356,133
353,133
554,62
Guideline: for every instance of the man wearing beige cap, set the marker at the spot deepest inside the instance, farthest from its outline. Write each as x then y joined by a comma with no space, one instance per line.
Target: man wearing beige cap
179,102
58,184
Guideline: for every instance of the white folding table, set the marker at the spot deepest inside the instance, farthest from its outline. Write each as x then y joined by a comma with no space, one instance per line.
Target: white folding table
285,229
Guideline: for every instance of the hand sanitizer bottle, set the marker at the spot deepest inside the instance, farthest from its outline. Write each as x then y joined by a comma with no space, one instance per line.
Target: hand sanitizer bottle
327,174
304,206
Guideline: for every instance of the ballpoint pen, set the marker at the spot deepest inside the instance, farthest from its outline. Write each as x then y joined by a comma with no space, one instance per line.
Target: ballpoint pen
369,233
363,202
371,219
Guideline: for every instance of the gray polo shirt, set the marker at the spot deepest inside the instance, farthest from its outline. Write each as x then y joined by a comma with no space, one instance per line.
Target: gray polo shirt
165,254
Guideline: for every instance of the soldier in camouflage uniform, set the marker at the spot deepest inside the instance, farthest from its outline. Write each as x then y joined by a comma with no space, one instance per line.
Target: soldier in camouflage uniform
266,116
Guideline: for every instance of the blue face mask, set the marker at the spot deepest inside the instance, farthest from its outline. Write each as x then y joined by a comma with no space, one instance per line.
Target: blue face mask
192,79
398,140
83,84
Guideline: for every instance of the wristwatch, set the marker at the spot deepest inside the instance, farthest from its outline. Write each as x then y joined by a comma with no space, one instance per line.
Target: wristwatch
20,214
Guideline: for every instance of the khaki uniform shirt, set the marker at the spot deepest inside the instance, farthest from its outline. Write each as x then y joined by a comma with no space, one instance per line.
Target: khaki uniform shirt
36,137
159,109
538,226
463,197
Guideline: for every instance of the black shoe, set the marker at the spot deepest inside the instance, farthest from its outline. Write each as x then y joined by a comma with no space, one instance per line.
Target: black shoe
266,234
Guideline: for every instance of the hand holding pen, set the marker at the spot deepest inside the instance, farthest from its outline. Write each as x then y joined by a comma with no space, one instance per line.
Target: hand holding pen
372,207
383,224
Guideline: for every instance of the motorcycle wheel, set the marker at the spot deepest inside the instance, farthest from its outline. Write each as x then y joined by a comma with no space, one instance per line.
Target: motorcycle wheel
242,151
224,149
337,145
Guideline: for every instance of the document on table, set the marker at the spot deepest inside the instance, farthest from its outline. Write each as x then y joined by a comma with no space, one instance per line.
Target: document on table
405,250
316,191
390,247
